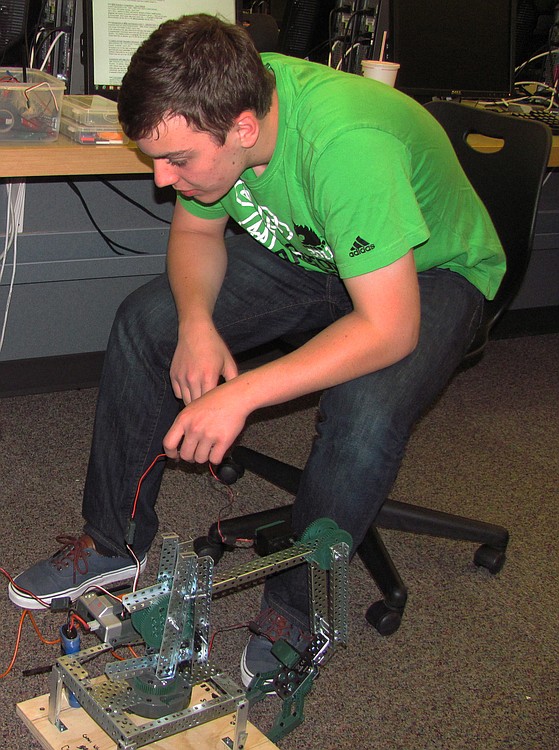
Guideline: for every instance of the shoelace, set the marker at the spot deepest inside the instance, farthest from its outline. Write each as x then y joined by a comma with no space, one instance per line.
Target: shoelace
74,551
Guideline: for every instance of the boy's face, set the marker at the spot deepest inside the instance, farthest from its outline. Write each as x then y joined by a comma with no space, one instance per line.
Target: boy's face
192,162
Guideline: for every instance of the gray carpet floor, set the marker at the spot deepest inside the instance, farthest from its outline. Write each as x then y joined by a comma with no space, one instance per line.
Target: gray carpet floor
474,663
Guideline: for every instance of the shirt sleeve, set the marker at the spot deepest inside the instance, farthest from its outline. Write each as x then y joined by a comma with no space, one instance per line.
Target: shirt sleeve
362,185
202,210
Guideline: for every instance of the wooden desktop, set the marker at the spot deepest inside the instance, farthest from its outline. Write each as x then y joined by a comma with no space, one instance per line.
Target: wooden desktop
65,158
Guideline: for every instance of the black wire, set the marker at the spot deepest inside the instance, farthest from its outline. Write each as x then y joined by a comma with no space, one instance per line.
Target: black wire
37,670
45,39
134,202
25,50
318,48
37,26
111,243
347,38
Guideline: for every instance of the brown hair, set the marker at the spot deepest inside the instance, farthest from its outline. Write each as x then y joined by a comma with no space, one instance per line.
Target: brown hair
199,67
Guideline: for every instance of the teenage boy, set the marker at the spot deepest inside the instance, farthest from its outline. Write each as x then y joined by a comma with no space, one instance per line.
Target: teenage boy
353,218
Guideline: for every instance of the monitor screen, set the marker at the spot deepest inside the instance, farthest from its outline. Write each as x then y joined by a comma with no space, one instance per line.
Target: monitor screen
13,19
453,48
114,29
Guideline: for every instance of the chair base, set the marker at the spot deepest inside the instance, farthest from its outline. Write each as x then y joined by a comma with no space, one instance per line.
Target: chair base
270,530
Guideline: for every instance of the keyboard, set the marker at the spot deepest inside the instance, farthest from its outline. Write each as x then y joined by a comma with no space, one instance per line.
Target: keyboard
548,117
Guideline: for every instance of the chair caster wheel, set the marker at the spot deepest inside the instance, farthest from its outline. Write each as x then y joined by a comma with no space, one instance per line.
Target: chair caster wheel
206,547
386,620
490,558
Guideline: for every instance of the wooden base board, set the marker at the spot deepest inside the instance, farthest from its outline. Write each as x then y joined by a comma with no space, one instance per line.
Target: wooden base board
83,732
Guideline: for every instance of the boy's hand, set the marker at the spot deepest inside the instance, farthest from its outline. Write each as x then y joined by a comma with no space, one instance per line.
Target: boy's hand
206,427
200,359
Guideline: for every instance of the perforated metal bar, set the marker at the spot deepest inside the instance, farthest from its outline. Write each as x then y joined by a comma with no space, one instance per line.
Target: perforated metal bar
339,574
183,592
109,702
258,568
202,610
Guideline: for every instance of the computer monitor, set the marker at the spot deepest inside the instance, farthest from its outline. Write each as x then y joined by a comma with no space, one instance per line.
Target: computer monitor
13,21
453,48
303,25
114,29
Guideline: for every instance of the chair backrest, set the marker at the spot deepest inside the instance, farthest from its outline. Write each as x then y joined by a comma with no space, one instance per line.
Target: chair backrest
508,181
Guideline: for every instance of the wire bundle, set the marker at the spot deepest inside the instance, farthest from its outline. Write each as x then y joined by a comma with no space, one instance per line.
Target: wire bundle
14,224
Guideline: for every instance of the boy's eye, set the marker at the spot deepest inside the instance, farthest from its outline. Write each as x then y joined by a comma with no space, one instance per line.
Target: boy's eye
177,163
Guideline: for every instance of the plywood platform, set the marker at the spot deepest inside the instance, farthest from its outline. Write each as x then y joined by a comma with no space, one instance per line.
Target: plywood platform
82,732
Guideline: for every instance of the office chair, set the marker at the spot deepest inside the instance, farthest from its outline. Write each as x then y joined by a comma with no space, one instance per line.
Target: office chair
509,183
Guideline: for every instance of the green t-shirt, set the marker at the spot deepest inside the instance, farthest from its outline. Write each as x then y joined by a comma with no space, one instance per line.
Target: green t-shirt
360,174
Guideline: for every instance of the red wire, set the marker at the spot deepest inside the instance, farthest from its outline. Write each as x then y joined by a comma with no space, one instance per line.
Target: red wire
146,472
122,658
76,619
24,614
41,636
222,630
16,647
231,495
22,590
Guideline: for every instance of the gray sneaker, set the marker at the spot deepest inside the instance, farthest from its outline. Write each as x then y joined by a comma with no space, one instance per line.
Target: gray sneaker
70,572
258,660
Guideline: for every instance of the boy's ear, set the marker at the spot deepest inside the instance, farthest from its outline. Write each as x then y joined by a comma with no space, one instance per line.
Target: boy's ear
248,128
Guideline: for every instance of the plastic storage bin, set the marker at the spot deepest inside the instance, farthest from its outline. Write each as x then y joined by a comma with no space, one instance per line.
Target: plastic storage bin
29,110
92,135
90,110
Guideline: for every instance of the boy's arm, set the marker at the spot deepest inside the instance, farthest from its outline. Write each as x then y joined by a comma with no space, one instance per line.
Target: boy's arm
196,263
382,329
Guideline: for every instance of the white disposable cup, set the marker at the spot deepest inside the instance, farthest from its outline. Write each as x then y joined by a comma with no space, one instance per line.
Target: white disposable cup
380,70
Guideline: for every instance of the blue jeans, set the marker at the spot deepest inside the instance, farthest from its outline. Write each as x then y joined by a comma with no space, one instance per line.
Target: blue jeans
363,427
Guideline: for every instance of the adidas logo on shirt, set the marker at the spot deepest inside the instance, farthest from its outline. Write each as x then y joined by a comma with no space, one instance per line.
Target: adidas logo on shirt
360,246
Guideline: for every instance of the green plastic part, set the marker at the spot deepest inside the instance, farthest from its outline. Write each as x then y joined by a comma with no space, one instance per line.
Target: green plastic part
324,533
292,711
285,652
316,530
150,622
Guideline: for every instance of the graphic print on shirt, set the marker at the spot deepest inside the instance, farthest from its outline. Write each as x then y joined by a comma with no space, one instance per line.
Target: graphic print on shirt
262,224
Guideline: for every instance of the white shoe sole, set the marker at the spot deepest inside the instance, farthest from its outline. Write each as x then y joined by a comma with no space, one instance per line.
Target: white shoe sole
103,579
247,676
